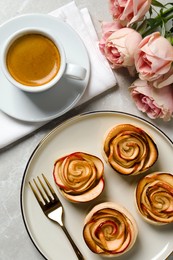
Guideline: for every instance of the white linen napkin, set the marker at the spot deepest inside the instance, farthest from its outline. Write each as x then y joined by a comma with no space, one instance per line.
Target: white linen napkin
101,79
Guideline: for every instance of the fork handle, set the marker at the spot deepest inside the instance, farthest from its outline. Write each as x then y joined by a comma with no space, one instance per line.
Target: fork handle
76,249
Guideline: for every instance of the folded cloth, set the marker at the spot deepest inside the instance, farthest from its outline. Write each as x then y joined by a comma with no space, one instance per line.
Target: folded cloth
101,79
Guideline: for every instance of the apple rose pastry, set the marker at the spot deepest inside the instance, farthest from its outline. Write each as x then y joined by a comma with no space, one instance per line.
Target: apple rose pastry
79,176
109,229
154,198
129,150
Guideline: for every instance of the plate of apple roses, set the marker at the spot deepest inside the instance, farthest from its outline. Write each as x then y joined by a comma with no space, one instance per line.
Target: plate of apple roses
113,173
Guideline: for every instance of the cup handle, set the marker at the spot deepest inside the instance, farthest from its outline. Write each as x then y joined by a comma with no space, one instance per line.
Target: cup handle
74,71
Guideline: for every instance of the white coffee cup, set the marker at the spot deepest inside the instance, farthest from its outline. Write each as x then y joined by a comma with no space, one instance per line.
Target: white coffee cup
73,71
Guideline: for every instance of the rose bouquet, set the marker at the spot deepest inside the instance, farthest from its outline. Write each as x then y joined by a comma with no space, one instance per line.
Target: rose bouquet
140,40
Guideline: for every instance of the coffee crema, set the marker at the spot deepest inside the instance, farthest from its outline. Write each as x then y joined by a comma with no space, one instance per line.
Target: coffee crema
33,60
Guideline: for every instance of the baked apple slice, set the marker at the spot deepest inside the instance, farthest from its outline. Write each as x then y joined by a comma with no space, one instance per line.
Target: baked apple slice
129,149
154,198
109,229
79,176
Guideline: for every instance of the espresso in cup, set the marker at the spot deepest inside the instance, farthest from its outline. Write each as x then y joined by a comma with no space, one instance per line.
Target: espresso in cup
33,59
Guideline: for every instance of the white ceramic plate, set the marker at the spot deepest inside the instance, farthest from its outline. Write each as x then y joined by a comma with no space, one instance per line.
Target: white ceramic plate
60,99
85,133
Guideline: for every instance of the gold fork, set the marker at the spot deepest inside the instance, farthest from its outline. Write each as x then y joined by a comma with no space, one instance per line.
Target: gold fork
52,207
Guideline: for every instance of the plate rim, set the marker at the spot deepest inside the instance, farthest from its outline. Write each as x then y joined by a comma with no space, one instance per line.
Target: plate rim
73,118
74,102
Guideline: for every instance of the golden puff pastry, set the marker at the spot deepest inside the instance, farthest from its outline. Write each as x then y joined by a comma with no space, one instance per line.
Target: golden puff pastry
129,149
109,230
154,198
79,176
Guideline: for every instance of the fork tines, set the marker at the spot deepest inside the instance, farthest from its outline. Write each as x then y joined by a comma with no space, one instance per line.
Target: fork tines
44,194
52,207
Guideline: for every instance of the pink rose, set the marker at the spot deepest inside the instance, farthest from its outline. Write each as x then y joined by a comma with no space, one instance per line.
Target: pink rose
107,29
165,80
120,47
129,11
154,57
156,103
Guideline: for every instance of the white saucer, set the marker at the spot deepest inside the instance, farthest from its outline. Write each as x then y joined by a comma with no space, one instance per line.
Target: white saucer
44,106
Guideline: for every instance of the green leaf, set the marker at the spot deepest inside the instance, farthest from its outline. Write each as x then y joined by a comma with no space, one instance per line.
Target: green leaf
168,4
163,31
152,22
157,3
142,27
170,38
151,11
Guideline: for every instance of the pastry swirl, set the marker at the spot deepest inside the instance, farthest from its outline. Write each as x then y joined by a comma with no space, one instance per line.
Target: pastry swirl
79,176
154,198
129,150
109,229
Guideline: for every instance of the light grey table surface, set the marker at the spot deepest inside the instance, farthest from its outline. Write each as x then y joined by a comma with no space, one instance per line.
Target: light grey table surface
14,240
